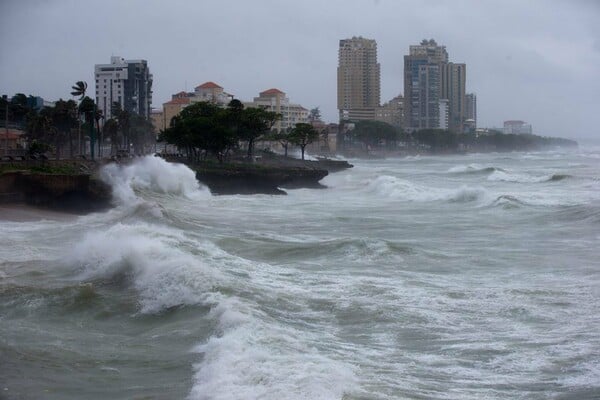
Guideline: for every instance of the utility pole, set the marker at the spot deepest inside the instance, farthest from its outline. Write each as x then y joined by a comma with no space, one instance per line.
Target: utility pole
92,132
5,97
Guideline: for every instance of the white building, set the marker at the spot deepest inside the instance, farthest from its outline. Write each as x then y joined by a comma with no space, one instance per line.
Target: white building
443,113
517,127
275,100
211,92
127,82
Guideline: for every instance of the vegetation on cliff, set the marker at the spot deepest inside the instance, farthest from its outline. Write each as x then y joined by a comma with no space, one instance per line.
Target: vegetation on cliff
204,128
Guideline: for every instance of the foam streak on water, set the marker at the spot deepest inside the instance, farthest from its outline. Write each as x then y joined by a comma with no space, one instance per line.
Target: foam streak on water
426,277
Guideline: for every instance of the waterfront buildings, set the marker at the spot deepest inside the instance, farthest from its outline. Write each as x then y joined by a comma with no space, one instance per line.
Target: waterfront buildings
211,92
277,101
358,79
127,82
430,78
517,127
452,80
444,114
391,112
174,106
422,86
471,109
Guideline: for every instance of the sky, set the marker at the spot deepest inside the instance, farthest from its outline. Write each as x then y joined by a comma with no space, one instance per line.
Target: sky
536,60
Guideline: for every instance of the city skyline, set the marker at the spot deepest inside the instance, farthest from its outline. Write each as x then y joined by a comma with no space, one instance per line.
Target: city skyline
523,70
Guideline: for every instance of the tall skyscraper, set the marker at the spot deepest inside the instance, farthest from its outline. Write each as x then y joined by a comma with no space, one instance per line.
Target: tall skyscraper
428,79
358,76
453,88
422,84
127,82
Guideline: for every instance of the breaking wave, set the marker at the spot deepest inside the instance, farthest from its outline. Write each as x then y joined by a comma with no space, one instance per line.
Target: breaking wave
152,174
472,169
525,178
397,188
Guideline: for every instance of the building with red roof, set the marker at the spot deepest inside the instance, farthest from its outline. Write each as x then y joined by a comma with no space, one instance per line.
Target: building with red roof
275,100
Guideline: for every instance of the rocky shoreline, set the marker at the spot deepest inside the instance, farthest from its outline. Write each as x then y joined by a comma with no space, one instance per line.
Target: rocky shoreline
268,174
78,193
79,190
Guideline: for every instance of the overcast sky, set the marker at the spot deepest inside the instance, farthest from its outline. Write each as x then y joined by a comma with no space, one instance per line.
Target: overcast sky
538,61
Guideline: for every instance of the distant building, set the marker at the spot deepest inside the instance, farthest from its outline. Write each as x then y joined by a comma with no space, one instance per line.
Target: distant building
429,78
391,112
444,113
517,127
453,82
211,92
12,141
173,107
127,82
471,109
158,120
208,91
358,79
275,100
422,84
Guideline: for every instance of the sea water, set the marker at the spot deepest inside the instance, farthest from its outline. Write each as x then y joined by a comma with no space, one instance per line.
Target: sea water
427,277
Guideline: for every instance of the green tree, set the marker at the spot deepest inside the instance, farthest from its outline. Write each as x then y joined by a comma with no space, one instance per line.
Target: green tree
375,133
254,123
202,128
19,108
314,115
302,135
438,140
283,138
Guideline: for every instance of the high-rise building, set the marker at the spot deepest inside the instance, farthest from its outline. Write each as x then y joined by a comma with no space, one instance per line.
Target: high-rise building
471,110
127,82
428,79
453,89
422,84
358,77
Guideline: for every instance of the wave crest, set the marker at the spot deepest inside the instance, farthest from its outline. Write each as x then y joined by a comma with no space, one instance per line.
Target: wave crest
153,174
392,187
503,176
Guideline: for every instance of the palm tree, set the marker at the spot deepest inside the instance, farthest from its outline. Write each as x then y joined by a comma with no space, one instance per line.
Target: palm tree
79,89
97,117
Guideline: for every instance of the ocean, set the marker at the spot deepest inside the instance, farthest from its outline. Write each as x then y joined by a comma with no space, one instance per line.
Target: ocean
428,277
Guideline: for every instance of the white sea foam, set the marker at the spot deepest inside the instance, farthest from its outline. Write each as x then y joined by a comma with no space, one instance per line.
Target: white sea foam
154,174
397,188
253,359
519,178
465,168
392,187
153,258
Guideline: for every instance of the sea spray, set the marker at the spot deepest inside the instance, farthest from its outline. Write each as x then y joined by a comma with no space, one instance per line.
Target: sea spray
153,258
154,174
362,290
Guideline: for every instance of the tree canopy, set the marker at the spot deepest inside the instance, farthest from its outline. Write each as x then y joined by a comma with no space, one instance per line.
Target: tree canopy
302,135
205,128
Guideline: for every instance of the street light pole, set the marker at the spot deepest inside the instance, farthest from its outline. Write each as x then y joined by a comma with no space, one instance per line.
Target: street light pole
5,97
92,132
